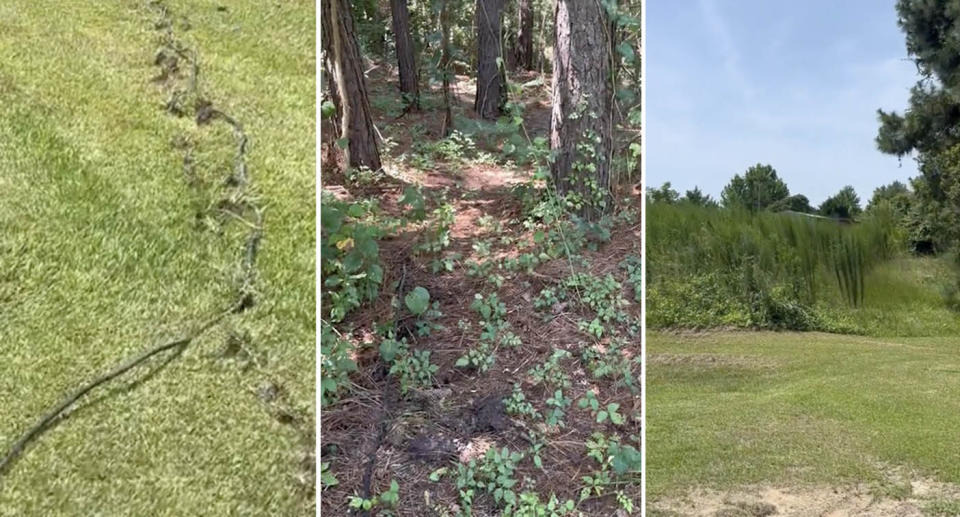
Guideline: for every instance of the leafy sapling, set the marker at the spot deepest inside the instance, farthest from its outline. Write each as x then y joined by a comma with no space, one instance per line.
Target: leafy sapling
386,500
418,303
589,401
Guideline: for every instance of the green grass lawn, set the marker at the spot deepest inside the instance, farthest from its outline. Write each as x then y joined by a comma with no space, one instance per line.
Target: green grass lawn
100,257
730,409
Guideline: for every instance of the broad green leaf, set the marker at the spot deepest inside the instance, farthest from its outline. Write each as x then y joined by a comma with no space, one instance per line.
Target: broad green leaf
418,300
355,210
389,349
413,198
331,218
437,474
616,418
375,273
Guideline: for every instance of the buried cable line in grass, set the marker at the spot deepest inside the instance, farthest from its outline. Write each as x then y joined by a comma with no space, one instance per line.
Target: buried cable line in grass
239,179
205,113
60,409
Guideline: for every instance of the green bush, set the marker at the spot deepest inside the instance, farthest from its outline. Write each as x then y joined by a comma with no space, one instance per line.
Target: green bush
350,256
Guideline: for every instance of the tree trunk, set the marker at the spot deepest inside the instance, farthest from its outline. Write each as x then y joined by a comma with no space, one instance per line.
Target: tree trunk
347,86
524,49
405,61
581,127
447,126
491,84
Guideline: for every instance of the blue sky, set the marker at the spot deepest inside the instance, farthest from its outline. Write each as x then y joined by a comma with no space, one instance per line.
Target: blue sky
731,83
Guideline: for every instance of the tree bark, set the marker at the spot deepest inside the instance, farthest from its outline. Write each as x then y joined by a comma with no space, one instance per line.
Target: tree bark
581,123
405,60
347,85
491,84
524,49
447,126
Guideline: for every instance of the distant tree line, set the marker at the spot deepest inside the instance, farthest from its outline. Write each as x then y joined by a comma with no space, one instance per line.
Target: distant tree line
759,189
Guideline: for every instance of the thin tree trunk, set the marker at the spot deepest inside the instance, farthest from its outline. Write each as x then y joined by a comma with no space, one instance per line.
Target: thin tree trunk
542,55
491,87
447,126
524,49
581,128
405,60
348,87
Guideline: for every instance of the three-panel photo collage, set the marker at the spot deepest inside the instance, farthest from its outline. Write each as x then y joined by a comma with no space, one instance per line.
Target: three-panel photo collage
480,258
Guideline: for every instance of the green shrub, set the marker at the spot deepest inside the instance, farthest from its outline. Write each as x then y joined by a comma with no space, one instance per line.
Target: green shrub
350,256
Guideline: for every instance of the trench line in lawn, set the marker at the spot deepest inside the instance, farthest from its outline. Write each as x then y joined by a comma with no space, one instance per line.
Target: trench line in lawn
240,206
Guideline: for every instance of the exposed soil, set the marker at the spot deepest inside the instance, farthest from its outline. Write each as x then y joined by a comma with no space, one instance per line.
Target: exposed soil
901,494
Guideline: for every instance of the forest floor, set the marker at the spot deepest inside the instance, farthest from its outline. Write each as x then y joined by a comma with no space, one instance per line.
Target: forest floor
115,236
757,423
425,440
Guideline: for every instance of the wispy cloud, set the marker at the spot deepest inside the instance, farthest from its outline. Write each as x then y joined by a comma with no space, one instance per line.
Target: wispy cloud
726,46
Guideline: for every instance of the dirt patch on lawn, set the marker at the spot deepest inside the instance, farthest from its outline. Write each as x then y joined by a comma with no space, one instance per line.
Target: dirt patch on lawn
898,495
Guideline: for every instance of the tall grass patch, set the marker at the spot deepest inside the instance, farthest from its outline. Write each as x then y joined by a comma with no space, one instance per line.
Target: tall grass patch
711,267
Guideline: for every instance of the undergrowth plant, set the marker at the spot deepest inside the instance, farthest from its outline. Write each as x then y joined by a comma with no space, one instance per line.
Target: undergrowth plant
436,237
610,360
457,148
551,371
384,502
494,331
530,505
610,411
617,462
336,364
493,474
518,405
350,255
411,367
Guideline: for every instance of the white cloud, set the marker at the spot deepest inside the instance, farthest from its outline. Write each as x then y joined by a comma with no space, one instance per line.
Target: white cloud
727,47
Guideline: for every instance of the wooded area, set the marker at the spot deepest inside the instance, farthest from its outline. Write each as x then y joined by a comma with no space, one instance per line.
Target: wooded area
579,37
480,230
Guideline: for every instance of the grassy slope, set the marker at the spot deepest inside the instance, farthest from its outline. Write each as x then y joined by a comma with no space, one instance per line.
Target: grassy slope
782,408
99,257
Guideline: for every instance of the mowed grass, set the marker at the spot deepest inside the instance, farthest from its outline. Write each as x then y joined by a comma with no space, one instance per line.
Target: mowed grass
729,409
100,257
